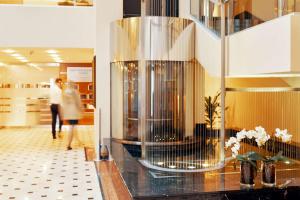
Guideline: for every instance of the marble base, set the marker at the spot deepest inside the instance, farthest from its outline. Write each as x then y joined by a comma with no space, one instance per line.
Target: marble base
147,184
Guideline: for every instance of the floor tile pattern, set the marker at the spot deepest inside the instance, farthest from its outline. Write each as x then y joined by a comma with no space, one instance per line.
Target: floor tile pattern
33,166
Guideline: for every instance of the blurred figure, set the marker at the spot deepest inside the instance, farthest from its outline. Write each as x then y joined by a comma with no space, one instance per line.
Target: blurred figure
55,105
72,110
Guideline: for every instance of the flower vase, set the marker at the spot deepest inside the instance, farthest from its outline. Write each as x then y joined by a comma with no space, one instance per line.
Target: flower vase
248,174
268,177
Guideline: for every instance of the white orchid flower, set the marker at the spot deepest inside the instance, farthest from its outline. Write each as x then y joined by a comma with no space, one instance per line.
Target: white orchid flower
241,135
286,138
278,133
283,135
251,134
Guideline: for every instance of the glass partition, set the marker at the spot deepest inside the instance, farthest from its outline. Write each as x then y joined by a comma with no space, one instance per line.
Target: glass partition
241,14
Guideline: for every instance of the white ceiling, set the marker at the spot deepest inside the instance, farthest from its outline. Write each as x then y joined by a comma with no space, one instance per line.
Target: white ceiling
40,55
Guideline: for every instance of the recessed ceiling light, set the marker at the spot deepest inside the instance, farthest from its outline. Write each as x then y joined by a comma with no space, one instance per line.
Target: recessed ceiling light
9,51
191,167
32,64
24,60
16,55
160,163
20,58
54,55
172,166
51,51
2,64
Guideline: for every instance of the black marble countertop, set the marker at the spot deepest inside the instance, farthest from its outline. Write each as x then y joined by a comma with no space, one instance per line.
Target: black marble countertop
145,183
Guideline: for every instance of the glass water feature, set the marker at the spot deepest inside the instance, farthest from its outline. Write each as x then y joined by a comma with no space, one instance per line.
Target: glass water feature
162,98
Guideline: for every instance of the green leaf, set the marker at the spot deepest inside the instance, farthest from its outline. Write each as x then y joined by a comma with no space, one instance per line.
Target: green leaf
253,163
254,156
241,157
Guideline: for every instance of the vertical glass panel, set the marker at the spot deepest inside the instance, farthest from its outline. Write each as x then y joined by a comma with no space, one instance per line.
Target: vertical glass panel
182,123
168,8
130,100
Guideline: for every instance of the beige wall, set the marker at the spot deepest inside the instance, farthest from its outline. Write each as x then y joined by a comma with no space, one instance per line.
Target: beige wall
55,26
295,41
184,9
106,12
117,100
268,109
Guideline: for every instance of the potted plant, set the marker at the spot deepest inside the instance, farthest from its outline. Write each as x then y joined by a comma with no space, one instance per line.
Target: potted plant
212,116
249,159
212,110
269,162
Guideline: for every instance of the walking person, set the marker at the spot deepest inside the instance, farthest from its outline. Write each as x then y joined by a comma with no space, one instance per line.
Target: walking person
55,105
72,110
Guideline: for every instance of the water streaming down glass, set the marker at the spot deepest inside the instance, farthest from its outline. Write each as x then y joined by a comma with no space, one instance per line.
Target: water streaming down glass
162,98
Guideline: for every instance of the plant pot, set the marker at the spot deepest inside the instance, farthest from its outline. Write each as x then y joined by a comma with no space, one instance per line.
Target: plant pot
248,174
268,177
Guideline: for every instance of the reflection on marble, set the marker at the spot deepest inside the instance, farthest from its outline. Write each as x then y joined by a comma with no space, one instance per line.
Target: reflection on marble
144,183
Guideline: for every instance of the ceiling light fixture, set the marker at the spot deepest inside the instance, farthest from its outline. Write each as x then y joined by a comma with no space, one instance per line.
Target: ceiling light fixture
9,51
16,55
32,64
20,58
2,64
35,66
51,51
54,55
24,60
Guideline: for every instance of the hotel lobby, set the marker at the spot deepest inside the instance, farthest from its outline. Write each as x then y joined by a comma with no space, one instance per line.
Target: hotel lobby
180,99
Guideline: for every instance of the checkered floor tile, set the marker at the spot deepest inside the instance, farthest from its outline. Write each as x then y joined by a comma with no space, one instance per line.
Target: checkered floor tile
33,166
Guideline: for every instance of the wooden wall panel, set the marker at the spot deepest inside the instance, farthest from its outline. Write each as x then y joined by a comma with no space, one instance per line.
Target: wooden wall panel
86,91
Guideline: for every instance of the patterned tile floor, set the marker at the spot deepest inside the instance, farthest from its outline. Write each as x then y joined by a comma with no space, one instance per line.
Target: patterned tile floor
34,167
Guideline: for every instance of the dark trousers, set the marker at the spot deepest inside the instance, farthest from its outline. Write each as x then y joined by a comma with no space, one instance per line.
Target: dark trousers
55,112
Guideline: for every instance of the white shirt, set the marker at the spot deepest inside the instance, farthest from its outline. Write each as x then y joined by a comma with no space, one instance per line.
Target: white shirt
55,95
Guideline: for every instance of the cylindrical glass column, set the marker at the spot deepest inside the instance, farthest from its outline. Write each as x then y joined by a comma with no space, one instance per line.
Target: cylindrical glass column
162,97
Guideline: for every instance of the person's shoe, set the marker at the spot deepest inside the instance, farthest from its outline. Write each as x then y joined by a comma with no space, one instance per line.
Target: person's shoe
69,148
54,137
59,134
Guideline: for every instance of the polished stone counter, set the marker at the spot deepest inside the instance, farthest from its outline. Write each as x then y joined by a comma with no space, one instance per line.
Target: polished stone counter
144,183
